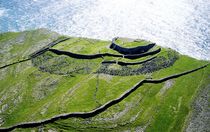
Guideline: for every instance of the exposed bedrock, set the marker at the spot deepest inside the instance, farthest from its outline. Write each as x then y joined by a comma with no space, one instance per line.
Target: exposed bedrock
199,120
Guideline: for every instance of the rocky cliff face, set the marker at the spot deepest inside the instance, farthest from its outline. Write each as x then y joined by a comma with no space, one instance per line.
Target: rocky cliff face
57,92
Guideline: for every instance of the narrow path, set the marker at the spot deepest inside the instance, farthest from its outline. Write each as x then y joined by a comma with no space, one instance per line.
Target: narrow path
99,109
96,90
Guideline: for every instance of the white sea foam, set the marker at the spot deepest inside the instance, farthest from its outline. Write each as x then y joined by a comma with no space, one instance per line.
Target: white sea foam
183,25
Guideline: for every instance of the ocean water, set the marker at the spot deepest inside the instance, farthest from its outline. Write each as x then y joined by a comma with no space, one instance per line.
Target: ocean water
183,25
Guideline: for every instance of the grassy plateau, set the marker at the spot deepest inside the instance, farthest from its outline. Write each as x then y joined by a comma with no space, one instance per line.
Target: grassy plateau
49,85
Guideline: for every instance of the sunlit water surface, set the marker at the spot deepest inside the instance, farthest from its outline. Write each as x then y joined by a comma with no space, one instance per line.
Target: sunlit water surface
183,25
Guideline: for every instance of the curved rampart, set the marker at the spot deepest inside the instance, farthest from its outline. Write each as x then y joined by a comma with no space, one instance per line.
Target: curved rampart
130,51
95,56
128,63
99,109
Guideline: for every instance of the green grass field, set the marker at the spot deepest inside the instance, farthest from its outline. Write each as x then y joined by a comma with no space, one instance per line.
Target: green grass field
50,85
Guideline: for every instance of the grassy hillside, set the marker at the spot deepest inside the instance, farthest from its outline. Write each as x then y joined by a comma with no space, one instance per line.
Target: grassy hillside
50,84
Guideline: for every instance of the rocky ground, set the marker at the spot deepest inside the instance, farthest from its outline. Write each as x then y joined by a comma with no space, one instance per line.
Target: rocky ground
200,118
